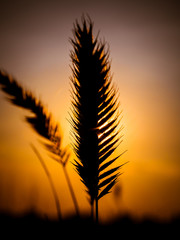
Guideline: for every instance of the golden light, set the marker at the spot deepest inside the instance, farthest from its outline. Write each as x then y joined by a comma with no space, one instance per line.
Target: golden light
143,48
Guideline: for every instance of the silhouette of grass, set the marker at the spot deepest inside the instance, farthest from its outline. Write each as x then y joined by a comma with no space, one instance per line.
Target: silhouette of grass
95,117
50,180
41,122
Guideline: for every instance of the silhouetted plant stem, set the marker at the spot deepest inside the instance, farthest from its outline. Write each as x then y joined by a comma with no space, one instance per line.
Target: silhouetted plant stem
96,211
50,180
92,211
71,190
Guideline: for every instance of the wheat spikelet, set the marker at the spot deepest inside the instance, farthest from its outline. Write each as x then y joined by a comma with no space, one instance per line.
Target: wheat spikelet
94,117
41,122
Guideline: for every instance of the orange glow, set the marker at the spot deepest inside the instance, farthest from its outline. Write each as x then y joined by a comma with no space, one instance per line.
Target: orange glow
25,186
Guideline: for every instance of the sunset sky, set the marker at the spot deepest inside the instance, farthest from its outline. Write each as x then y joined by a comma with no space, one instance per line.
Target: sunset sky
143,39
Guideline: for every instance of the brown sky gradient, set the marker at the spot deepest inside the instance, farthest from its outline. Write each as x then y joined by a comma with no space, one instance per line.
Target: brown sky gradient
144,47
